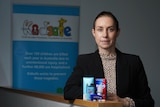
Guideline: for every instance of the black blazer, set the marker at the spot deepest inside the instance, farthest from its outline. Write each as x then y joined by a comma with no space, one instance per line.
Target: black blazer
131,80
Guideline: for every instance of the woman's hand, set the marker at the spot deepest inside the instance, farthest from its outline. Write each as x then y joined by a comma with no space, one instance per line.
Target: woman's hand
114,97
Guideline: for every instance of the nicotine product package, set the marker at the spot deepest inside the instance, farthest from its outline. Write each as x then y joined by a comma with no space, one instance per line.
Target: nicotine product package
88,88
101,87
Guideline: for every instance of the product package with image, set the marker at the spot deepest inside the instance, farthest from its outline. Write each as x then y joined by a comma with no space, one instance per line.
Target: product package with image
88,87
101,87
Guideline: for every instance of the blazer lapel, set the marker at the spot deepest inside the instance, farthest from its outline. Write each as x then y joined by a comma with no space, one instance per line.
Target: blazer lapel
98,68
122,74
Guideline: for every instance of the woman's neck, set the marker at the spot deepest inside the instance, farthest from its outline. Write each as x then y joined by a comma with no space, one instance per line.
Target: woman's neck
108,51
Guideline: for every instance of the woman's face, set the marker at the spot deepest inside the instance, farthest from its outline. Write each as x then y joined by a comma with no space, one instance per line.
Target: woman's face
105,33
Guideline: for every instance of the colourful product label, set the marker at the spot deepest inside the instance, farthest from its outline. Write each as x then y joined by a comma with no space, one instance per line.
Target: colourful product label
88,87
101,87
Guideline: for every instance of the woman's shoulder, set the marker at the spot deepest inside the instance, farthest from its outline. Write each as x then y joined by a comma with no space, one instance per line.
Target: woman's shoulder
86,54
125,54
89,56
128,56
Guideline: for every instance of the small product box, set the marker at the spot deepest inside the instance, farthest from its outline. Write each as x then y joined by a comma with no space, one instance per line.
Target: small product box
95,97
88,88
101,87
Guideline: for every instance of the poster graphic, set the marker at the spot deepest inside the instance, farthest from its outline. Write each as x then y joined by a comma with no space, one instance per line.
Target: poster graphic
45,46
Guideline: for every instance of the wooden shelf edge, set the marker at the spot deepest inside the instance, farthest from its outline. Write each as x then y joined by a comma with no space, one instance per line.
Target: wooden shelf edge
60,98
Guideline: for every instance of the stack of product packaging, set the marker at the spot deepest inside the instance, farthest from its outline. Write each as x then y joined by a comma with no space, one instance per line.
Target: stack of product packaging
94,89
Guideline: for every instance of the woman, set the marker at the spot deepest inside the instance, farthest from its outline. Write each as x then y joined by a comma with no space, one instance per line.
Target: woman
126,78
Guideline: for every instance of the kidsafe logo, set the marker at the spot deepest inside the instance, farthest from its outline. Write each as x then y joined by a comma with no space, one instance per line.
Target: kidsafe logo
31,28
